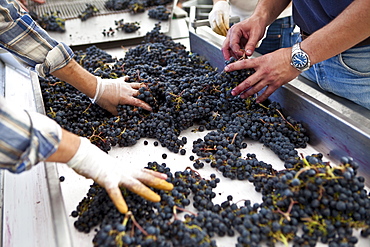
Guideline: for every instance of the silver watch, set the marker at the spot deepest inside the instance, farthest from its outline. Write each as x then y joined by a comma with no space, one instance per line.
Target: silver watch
300,59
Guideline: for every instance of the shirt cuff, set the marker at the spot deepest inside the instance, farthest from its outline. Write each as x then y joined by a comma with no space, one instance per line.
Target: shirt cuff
45,136
56,59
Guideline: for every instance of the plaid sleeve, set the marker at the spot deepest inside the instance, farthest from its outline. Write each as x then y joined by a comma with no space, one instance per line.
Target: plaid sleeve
23,37
25,138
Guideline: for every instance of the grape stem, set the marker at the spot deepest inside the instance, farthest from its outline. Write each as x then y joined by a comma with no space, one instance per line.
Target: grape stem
175,208
232,142
287,213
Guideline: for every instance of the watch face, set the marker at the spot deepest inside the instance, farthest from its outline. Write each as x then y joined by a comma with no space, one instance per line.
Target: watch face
300,60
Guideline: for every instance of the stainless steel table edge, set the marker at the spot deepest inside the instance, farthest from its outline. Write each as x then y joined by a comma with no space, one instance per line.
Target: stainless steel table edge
60,222
331,133
2,93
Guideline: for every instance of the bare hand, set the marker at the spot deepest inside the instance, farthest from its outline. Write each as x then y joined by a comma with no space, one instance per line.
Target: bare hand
271,71
242,38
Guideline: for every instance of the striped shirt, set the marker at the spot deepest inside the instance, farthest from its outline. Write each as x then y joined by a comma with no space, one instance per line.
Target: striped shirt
23,37
28,138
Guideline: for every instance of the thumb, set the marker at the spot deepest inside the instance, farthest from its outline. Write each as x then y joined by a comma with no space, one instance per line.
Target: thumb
251,45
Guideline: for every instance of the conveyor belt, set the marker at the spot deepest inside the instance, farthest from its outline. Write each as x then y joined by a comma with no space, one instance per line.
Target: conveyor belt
69,9
85,33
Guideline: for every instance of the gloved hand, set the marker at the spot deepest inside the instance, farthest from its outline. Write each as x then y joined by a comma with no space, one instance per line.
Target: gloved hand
219,17
91,162
112,92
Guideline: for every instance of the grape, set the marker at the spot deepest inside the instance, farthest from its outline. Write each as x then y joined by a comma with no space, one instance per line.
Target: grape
50,21
90,11
128,27
159,13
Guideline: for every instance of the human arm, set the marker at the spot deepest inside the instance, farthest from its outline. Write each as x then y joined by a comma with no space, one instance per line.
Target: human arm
274,70
23,37
89,161
108,93
27,138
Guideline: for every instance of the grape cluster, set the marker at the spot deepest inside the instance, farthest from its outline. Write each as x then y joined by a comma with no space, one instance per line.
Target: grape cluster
50,21
159,13
128,27
90,11
323,202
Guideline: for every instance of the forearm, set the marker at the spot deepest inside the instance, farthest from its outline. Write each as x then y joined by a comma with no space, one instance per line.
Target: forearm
345,31
23,37
68,146
78,77
269,10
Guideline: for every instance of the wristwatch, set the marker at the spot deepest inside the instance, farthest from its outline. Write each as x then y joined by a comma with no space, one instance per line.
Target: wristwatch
300,59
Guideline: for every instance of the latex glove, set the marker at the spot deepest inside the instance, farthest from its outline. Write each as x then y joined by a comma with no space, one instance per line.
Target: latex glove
91,162
219,17
112,92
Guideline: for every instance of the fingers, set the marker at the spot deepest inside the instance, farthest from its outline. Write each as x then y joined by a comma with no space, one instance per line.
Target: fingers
226,51
220,23
269,90
232,44
242,64
137,187
158,183
248,87
217,30
223,28
115,195
235,39
253,88
136,85
155,174
251,45
139,103
155,180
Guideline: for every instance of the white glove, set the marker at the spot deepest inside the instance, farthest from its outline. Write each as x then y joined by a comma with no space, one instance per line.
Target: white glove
91,162
112,92
219,17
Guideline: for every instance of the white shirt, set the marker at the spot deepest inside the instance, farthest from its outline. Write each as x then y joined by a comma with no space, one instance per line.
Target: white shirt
244,9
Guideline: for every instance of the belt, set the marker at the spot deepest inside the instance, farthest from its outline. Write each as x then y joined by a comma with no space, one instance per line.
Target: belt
366,41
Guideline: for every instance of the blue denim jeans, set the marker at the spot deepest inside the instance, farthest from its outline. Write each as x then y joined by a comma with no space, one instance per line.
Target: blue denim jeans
346,75
279,35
